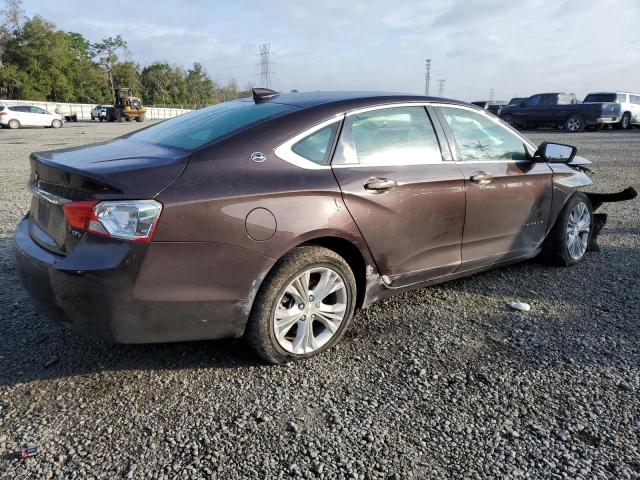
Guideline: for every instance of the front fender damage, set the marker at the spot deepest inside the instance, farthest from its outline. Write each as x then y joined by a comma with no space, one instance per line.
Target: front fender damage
599,219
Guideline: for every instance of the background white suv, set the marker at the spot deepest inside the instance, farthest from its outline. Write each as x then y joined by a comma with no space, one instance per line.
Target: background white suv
99,112
629,106
17,116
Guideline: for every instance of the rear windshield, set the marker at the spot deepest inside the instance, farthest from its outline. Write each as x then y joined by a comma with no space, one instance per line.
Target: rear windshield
600,97
195,129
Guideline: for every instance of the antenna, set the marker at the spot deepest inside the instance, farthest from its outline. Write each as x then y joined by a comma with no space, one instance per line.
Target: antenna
427,76
265,65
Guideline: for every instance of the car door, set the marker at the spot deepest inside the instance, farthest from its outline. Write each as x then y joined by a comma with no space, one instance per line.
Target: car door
41,117
530,112
23,115
508,195
407,201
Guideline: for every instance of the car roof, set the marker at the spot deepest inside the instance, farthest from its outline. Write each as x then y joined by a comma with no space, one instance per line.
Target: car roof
350,99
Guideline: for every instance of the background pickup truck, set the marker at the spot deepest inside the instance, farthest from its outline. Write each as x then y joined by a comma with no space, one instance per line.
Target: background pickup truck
559,110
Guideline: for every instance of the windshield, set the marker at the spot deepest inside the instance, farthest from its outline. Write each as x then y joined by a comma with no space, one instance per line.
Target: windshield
600,97
195,129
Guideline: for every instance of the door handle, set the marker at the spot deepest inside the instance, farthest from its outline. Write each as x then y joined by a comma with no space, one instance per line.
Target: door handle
380,185
481,178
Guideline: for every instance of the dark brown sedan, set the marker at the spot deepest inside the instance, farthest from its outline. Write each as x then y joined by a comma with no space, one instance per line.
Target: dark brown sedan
276,217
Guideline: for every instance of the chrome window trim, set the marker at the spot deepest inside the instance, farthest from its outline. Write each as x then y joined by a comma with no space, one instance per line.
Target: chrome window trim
285,151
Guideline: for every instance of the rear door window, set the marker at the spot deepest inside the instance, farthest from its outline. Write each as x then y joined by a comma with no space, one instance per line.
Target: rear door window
389,136
622,97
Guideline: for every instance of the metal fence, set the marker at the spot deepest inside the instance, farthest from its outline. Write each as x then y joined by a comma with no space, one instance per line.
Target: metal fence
83,110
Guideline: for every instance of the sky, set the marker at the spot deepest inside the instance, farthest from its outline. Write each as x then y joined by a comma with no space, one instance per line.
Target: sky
516,47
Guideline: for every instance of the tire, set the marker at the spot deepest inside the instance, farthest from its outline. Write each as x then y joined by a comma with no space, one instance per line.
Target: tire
574,124
557,247
625,123
277,292
56,123
92,117
140,118
13,124
101,119
508,119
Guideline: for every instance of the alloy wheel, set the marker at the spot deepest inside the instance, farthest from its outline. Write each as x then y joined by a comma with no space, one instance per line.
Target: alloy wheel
310,311
574,124
578,229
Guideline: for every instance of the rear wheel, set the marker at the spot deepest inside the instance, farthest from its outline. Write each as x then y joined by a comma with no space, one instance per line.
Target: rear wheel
303,307
56,123
509,120
625,123
140,118
574,124
14,123
567,241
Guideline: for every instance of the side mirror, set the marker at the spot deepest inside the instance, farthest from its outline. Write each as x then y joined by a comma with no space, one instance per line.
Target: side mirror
556,152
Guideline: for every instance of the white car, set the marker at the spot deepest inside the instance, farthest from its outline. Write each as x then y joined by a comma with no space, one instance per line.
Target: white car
16,116
99,112
629,106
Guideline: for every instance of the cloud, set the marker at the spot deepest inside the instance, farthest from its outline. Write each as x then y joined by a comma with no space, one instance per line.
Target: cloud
515,47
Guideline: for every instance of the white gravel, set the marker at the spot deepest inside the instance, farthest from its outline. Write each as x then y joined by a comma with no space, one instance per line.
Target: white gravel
443,382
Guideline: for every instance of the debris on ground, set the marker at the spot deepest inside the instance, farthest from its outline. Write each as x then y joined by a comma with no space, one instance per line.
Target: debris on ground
520,306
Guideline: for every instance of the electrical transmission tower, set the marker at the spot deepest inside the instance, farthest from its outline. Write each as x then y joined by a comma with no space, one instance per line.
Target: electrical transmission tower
265,65
492,91
427,76
441,85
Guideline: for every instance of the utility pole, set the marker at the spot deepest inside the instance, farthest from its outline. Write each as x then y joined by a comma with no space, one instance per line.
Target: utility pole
427,76
265,65
441,85
492,91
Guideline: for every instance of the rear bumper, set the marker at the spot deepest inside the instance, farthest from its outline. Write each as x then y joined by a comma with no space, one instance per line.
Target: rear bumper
134,293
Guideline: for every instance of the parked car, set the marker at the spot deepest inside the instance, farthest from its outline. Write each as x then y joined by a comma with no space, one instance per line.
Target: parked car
629,113
275,217
99,112
492,105
16,116
559,110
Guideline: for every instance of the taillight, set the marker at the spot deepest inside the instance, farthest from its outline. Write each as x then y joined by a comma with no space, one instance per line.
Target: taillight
134,220
3,113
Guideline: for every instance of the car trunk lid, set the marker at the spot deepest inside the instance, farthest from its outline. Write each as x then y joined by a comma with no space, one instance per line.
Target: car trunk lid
122,169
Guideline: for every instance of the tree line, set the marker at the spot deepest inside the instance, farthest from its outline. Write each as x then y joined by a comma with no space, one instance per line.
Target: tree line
40,62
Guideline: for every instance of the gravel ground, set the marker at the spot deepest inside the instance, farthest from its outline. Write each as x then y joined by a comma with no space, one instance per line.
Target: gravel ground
443,382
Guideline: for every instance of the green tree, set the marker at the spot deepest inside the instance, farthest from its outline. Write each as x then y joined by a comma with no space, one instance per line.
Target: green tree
107,52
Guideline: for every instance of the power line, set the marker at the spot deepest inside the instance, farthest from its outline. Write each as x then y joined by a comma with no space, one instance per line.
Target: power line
441,86
265,65
427,76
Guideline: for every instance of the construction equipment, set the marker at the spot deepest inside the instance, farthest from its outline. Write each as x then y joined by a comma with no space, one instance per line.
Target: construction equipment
126,107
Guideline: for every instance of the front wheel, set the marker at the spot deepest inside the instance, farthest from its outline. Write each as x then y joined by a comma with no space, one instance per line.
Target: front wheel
303,307
569,238
574,124
56,123
140,118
